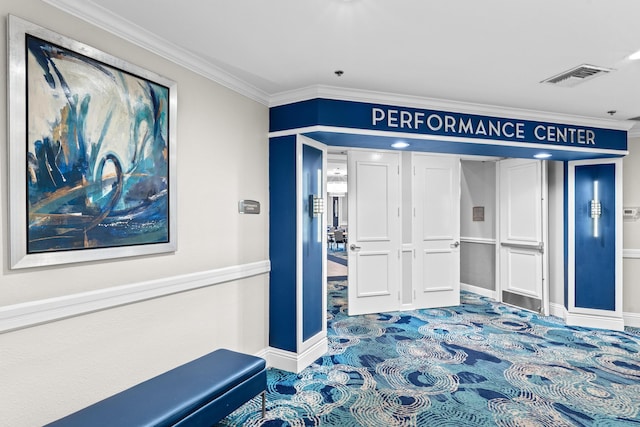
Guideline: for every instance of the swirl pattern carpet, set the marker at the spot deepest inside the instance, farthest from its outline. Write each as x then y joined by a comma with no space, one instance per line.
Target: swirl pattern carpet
478,364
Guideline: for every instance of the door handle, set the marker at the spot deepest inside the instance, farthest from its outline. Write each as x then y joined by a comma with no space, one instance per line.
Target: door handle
454,245
353,247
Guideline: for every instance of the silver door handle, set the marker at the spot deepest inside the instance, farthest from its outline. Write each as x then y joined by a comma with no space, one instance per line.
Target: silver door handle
454,245
353,247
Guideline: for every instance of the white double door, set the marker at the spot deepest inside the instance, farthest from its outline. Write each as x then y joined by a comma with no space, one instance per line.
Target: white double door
376,224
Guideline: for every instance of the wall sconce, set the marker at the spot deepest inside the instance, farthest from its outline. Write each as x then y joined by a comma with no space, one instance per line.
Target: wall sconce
316,205
596,209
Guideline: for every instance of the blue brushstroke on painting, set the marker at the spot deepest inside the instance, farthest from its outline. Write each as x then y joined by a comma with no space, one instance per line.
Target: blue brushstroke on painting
98,171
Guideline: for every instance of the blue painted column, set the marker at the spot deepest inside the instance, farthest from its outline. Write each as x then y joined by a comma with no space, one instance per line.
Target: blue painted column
282,243
595,254
297,312
594,282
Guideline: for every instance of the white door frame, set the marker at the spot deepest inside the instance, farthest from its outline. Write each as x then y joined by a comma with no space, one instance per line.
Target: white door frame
309,349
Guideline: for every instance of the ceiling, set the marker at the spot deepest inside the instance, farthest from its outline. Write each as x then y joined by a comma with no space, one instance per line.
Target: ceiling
489,52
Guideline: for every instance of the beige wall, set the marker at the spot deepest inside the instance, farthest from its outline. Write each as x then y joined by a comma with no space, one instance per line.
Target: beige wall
631,230
478,188
50,370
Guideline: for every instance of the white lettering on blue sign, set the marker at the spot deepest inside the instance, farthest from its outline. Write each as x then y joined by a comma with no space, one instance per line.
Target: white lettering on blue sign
484,127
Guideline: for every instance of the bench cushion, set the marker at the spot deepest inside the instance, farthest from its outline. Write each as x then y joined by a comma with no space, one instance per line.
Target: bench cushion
166,399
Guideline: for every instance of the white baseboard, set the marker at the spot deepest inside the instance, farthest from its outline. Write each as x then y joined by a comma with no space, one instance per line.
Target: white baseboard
557,310
293,362
628,319
264,353
631,319
33,313
593,321
478,290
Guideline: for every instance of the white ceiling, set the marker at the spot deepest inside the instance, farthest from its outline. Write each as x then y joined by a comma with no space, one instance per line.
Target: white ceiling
490,52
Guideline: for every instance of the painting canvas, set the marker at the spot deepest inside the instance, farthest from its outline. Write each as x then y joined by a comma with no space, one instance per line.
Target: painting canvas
92,159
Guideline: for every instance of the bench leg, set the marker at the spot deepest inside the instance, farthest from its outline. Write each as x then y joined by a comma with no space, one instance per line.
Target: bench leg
264,398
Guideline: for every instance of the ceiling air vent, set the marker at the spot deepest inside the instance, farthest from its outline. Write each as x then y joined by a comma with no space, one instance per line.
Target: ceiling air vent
577,75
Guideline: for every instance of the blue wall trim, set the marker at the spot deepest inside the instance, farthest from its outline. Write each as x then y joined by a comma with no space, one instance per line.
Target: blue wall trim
282,243
312,307
416,121
595,264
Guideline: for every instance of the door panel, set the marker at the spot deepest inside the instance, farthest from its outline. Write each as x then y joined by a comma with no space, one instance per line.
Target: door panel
374,232
438,270
372,266
522,190
372,199
438,189
437,230
521,183
524,271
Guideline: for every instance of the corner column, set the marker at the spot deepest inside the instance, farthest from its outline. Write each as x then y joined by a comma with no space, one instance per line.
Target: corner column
297,249
594,244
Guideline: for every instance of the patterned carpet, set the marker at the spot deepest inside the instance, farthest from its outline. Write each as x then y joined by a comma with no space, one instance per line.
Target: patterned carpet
478,364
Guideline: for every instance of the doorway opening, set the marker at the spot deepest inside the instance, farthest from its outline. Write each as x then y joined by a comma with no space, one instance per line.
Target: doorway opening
337,216
480,245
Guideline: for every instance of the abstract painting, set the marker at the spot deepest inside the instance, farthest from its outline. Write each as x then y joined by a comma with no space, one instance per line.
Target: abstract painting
92,158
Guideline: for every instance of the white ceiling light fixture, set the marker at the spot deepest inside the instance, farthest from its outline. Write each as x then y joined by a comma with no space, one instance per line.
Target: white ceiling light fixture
542,155
400,144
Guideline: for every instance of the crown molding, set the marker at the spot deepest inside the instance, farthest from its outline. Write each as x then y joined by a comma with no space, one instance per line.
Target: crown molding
358,95
100,17
634,132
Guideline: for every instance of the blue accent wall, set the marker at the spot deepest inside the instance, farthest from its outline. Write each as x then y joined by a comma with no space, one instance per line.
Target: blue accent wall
595,278
312,278
282,243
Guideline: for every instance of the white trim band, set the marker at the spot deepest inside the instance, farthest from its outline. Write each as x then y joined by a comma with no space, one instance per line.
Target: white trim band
631,253
33,313
481,240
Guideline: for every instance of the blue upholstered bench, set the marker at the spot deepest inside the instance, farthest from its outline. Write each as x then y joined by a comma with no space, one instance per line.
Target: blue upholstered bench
198,393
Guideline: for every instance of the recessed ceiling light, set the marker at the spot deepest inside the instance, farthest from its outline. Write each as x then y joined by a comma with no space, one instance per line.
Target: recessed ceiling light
400,144
634,56
542,155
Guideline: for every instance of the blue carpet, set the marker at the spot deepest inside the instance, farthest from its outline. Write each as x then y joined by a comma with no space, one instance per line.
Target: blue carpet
477,364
